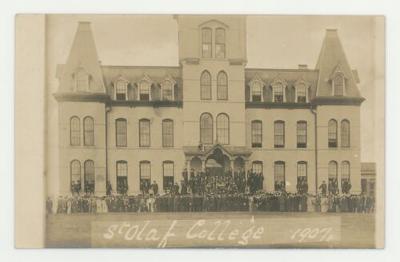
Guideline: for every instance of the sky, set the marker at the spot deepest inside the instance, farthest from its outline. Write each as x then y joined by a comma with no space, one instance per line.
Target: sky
272,42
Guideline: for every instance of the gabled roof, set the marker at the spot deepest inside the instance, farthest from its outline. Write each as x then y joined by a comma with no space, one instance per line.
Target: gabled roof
331,59
83,55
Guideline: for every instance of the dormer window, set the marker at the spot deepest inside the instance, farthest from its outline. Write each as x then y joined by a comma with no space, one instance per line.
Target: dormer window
220,43
144,89
121,90
81,80
278,93
338,84
206,36
167,89
301,93
256,92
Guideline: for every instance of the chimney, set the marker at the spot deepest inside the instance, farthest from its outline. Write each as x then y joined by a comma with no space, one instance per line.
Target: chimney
303,66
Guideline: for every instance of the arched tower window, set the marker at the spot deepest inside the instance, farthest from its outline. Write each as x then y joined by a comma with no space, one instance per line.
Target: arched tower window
88,131
338,84
206,39
220,43
345,133
332,133
205,86
81,80
206,128
75,131
222,86
223,129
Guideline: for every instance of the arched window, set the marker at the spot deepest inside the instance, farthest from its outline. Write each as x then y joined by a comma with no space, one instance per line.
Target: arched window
75,171
301,93
302,183
338,85
144,90
256,91
122,177
144,132
121,90
145,176
279,176
168,175
206,39
257,167
88,131
220,43
205,86
279,134
75,131
121,132
332,133
256,133
301,134
167,133
206,129
82,80
345,178
278,93
89,181
223,129
345,133
332,177
222,86
167,90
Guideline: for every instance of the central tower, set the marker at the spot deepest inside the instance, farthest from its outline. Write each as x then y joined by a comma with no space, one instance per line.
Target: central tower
212,55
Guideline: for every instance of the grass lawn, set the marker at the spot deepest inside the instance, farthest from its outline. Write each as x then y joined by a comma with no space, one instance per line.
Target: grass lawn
356,230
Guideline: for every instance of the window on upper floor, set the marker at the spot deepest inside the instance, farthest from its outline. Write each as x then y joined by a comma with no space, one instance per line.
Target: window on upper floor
220,43
75,131
121,90
332,133
338,85
206,128
278,93
223,129
144,90
301,134
301,93
81,80
167,90
121,132
205,86
206,39
256,133
279,134
256,91
345,133
168,133
222,86
144,132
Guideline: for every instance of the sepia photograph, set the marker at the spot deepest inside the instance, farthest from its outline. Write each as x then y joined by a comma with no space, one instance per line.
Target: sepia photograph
213,131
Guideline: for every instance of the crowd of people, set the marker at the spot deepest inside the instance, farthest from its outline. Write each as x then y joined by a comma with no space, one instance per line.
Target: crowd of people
208,192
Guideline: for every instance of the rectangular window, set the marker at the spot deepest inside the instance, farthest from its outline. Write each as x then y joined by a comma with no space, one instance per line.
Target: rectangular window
144,91
301,134
256,92
256,134
167,94
279,176
257,167
144,133
168,133
301,94
121,90
220,43
121,132
168,175
279,134
145,176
